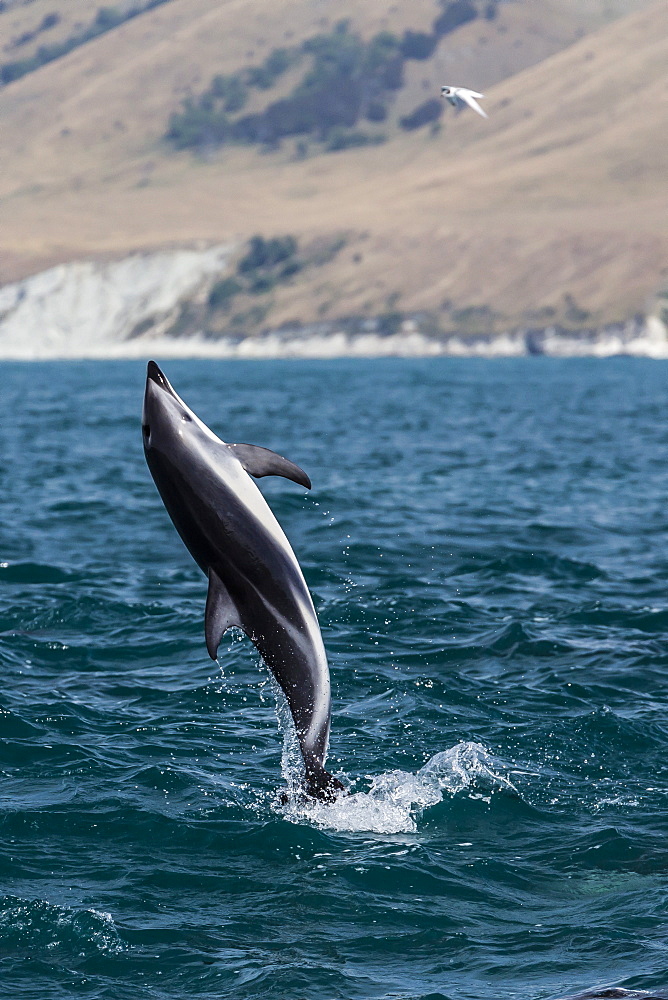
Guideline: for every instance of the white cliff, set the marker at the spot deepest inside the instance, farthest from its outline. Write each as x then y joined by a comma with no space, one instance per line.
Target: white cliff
130,309
95,309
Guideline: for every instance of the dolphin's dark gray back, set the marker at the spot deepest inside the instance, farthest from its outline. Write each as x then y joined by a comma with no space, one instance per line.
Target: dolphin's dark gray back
255,581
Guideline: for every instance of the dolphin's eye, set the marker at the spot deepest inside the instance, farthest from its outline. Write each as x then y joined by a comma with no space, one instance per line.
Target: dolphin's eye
146,431
186,417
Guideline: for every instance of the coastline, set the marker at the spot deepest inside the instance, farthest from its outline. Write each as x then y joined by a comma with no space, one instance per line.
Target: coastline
132,308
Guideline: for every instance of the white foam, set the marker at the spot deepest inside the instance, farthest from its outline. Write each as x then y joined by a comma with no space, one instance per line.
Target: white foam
397,799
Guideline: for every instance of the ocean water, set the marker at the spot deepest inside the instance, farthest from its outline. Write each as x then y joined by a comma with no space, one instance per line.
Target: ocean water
487,546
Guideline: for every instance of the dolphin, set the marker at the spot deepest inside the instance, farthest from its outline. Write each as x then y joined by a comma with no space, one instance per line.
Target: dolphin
255,581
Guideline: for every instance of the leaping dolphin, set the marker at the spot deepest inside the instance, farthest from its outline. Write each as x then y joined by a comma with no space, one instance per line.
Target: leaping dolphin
255,581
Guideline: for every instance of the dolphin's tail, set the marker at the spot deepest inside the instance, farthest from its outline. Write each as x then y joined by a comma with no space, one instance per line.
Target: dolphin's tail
320,784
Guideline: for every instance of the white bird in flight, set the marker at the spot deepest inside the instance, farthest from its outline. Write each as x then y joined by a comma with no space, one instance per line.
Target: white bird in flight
458,96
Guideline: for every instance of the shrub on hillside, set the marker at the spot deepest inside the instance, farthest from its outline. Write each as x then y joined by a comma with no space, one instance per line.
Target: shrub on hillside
340,139
222,292
376,111
196,127
267,253
108,18
348,79
265,263
48,21
425,113
277,62
231,90
418,44
455,13
389,323
105,19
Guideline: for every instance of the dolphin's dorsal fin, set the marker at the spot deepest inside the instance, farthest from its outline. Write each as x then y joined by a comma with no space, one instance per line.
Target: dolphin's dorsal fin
260,462
221,613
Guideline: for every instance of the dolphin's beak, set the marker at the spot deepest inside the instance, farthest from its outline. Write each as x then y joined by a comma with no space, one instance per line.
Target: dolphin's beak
157,388
155,375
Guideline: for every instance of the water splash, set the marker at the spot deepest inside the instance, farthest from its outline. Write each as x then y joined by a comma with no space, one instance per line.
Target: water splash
292,762
397,799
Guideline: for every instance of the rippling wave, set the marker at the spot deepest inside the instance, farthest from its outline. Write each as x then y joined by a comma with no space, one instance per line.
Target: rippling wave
487,546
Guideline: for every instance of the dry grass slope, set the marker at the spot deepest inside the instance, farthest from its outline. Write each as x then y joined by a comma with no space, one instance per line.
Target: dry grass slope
555,207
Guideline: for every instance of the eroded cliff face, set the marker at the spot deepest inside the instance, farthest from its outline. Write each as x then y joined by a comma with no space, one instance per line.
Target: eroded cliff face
157,304
103,309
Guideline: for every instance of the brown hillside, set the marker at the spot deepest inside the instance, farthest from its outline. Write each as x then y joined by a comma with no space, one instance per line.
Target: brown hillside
561,193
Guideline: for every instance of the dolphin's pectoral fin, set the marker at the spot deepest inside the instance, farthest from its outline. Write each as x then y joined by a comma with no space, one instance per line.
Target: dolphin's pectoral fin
221,613
261,462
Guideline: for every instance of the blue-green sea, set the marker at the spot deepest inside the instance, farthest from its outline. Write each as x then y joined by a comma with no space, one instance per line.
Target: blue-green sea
487,547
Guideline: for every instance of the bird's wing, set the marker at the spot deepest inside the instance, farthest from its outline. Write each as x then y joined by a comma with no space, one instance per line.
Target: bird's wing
469,97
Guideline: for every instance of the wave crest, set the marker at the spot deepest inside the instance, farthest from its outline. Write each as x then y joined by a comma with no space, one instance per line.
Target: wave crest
38,926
